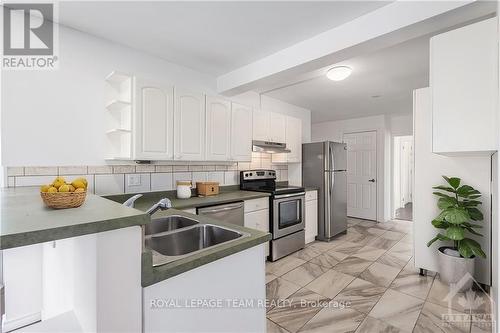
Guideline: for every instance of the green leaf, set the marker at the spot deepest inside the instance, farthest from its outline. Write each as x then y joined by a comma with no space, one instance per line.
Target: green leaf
465,191
440,237
474,196
444,203
442,195
475,214
453,181
465,250
456,215
468,246
444,188
472,225
440,224
471,203
455,233
472,231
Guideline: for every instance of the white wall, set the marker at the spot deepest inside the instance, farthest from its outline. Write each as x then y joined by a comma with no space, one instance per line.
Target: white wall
401,124
57,117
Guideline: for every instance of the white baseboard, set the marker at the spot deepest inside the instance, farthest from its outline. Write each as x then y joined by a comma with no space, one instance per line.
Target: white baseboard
12,324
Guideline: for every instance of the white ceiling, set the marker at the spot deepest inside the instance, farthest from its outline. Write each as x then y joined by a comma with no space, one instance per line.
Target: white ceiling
391,73
211,37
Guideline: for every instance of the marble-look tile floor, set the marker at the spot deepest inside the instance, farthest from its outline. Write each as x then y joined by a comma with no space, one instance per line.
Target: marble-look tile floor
365,281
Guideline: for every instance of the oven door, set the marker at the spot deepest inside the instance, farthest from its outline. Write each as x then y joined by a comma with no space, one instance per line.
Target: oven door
288,214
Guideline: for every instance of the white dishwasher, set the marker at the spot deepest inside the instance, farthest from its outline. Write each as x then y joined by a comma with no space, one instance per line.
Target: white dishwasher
231,212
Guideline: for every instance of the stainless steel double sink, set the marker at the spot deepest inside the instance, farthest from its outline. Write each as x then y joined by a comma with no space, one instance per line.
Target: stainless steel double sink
175,237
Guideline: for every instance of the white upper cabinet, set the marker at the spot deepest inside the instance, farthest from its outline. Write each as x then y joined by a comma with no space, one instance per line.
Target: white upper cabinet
218,142
277,127
154,116
261,125
293,142
189,125
464,85
241,132
269,126
294,139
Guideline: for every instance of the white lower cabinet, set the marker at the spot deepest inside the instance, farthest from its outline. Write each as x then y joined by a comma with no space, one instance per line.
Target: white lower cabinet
257,216
22,279
311,216
188,302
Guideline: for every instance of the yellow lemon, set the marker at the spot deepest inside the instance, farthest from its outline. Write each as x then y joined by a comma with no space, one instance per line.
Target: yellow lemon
71,188
82,180
78,184
78,190
52,190
64,188
44,188
58,183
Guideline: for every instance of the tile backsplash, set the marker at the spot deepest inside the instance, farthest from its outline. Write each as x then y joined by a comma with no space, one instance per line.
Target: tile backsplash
118,179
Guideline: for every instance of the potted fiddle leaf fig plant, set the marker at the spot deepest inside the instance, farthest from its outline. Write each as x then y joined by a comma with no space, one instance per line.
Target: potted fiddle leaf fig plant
459,216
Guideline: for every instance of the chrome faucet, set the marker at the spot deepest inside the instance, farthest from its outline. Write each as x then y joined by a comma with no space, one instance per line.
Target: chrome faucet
163,204
131,201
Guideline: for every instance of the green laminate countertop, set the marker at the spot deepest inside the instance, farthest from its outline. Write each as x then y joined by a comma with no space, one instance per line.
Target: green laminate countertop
24,219
225,196
152,275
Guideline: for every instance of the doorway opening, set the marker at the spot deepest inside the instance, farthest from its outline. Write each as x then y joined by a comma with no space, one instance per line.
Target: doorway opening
402,192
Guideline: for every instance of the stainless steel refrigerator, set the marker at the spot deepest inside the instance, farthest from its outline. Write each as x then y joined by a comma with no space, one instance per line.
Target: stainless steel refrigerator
324,166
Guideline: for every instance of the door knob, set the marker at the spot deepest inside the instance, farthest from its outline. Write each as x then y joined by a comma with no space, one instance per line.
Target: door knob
372,180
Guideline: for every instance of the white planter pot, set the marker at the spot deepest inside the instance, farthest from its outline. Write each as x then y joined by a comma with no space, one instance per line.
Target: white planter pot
453,268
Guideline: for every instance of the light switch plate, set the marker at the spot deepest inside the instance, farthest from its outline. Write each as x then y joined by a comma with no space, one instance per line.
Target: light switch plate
134,180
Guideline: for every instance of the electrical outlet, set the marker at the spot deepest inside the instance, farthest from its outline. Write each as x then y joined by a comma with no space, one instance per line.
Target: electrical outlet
134,180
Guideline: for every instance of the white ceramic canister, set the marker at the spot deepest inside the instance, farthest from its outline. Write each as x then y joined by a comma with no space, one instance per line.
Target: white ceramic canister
183,189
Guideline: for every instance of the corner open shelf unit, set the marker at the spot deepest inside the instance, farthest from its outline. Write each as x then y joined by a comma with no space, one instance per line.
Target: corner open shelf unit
118,107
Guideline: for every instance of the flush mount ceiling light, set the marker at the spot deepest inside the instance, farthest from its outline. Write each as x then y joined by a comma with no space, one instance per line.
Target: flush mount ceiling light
339,73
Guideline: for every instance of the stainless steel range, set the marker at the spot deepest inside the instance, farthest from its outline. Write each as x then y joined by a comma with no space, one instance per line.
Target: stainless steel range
286,213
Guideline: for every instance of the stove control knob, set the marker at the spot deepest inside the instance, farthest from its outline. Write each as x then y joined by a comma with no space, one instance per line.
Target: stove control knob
251,174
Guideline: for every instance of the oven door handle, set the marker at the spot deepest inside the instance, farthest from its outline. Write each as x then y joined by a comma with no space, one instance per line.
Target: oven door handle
289,195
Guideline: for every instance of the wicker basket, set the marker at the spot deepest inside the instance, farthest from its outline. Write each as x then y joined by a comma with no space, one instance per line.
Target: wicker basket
60,200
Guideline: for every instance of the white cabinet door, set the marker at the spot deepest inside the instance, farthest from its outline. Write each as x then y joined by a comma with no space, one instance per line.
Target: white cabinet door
293,142
261,125
241,132
154,116
277,127
218,142
311,228
464,84
258,220
189,125
294,139
22,279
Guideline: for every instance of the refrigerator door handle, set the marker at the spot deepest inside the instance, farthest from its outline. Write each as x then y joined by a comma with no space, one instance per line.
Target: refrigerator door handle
332,182
330,157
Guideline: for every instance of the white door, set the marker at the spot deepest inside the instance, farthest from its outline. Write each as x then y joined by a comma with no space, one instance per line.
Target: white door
277,127
362,174
189,121
154,116
218,129
261,125
241,132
